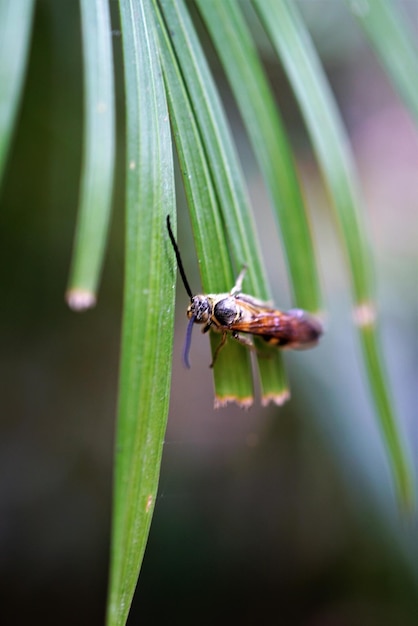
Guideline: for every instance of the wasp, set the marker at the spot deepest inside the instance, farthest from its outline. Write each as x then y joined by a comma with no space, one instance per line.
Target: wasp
239,315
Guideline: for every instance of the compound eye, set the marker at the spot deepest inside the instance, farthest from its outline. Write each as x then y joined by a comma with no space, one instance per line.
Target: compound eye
200,308
195,310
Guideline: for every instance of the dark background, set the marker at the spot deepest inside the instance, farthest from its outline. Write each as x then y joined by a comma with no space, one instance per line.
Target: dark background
274,516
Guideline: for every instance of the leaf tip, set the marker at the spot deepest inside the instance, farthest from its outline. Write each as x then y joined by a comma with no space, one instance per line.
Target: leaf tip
80,299
364,314
277,398
222,401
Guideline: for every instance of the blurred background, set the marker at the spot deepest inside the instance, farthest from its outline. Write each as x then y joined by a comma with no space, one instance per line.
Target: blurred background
273,516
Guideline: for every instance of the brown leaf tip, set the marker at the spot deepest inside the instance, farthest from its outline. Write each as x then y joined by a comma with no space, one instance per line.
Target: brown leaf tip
243,403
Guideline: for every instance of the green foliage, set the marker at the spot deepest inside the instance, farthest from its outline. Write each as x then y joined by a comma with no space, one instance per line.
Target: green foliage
147,334
99,156
172,99
15,26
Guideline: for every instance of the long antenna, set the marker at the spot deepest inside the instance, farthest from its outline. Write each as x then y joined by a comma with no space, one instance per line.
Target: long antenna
179,261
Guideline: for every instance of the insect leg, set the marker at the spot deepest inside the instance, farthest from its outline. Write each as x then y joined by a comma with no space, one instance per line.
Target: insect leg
246,341
218,349
238,283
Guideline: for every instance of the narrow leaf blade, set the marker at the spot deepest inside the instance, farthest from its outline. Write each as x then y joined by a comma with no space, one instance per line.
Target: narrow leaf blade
255,101
292,43
232,373
15,31
99,156
148,306
227,179
394,45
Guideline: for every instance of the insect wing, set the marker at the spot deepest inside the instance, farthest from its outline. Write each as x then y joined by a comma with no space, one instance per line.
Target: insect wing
293,329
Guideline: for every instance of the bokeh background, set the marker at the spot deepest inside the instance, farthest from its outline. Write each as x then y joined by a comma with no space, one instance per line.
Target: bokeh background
273,516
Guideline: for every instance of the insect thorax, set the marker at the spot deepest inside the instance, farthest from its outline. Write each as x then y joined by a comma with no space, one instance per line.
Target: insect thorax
226,311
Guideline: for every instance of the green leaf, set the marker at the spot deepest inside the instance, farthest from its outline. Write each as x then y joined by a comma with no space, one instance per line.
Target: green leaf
15,31
394,45
213,257
99,155
255,101
384,407
214,264
148,305
292,43
221,198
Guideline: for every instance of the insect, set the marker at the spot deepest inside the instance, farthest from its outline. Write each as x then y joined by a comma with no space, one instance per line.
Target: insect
239,315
